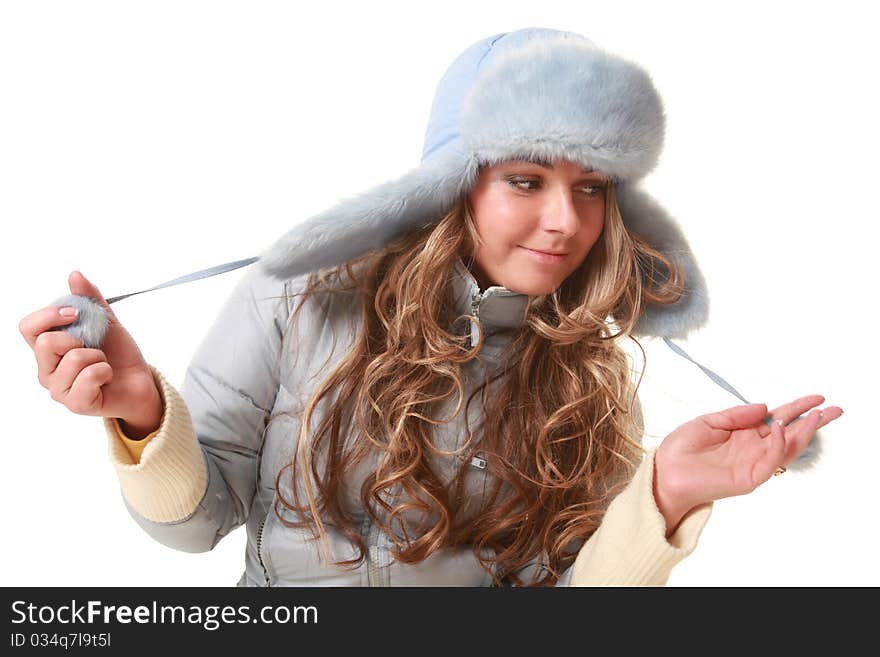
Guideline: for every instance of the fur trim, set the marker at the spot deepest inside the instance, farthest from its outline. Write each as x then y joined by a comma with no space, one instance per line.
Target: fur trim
645,217
372,219
562,98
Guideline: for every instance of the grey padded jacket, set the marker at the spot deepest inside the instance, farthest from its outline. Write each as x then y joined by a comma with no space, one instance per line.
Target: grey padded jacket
212,464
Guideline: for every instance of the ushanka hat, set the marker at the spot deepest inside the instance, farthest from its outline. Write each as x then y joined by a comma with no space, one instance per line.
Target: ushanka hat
530,94
534,94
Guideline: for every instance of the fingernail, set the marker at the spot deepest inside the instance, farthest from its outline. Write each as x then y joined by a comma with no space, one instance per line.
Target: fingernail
68,311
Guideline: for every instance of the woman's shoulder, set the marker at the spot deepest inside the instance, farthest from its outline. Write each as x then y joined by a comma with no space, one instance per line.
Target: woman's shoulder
319,288
324,297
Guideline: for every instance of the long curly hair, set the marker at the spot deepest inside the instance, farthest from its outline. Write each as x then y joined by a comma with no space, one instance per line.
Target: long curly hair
565,392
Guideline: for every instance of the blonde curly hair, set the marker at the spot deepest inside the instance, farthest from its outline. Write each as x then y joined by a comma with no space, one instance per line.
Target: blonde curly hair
566,393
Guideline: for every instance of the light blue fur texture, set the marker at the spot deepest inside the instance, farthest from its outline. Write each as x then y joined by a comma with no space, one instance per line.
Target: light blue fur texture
91,324
645,217
562,97
372,219
809,458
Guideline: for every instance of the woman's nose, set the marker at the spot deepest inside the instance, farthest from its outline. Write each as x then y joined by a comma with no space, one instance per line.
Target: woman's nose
560,214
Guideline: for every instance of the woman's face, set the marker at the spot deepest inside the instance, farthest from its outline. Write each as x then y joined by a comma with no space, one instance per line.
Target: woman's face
537,222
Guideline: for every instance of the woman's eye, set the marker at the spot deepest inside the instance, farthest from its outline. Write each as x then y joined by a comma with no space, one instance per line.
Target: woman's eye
521,184
592,191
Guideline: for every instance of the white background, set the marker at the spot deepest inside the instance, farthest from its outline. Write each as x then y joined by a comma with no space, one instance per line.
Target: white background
143,141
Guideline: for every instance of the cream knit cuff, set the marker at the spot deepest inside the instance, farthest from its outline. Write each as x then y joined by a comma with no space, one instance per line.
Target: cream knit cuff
630,547
172,476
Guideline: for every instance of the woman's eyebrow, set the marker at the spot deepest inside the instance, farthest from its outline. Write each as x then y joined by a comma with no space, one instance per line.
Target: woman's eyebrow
545,164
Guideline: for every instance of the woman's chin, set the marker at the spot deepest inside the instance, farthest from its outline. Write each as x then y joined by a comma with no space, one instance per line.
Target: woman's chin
533,287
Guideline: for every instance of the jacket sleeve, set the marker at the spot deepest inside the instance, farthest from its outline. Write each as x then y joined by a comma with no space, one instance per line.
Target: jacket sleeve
630,547
196,477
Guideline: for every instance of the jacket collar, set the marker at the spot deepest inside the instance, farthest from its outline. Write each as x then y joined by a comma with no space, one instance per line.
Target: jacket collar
497,308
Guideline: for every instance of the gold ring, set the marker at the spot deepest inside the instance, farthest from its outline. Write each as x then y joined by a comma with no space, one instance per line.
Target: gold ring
780,470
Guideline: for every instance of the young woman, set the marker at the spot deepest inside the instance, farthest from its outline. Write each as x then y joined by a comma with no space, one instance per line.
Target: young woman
425,385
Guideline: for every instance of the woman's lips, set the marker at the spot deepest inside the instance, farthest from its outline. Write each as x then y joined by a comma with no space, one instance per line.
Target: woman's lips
543,256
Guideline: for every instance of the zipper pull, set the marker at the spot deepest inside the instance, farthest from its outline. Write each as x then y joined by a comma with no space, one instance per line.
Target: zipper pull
478,461
475,311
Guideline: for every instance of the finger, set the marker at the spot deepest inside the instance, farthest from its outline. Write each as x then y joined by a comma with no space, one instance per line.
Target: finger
79,284
85,395
799,434
791,410
736,417
72,363
774,455
826,416
49,349
40,321
829,414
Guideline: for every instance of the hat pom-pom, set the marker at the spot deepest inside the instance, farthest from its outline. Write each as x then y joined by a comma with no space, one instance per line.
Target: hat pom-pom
91,324
809,458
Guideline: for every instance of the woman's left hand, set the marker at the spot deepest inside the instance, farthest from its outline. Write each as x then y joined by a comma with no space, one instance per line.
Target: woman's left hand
731,452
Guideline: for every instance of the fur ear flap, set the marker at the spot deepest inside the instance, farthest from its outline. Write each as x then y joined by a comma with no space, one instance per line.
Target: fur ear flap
91,324
645,217
372,219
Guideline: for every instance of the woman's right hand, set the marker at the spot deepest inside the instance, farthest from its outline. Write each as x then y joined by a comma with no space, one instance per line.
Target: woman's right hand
114,381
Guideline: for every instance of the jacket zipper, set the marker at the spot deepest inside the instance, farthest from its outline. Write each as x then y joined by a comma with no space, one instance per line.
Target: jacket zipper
478,461
260,551
369,534
475,311
378,569
375,573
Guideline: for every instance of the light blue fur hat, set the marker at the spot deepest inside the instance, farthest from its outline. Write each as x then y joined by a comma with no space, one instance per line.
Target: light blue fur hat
531,93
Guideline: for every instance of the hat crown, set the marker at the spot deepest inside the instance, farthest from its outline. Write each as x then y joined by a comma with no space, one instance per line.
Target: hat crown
443,130
548,94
